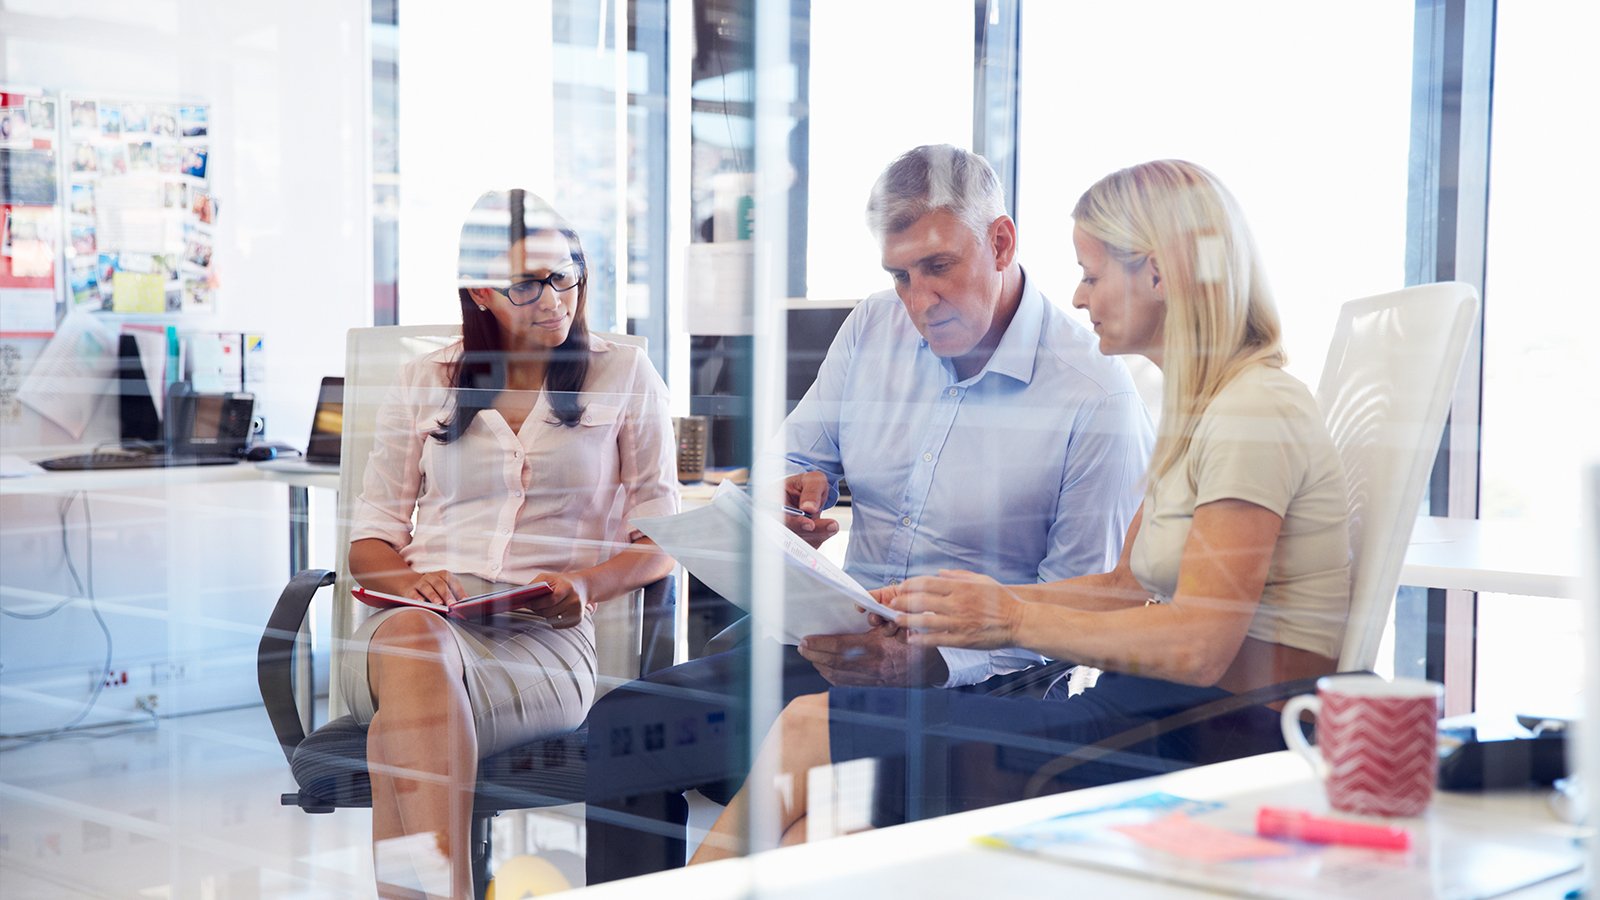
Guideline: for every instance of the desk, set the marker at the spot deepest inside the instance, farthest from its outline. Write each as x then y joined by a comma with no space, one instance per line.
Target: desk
297,475
937,858
1502,556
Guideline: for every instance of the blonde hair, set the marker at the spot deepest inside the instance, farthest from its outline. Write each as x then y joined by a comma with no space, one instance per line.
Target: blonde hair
1220,317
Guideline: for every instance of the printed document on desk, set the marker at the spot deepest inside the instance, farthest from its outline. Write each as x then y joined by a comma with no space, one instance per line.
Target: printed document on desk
1213,846
819,598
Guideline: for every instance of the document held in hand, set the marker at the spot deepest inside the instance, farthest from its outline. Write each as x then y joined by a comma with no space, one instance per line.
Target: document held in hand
819,598
471,608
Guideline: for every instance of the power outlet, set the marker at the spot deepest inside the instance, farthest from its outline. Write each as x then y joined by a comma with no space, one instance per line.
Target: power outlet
105,679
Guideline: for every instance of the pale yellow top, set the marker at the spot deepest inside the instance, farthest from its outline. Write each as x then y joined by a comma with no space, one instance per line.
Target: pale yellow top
1262,440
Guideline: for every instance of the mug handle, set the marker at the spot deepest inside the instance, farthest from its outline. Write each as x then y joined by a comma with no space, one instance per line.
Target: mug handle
1295,738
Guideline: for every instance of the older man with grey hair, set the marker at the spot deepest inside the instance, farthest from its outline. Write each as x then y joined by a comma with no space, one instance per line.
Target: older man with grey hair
979,428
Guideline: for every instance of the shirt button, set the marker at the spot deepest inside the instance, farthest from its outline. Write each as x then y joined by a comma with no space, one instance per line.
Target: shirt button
516,454
505,531
516,494
927,457
894,581
905,520
953,392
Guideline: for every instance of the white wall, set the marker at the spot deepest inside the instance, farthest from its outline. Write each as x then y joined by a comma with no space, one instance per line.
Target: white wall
186,576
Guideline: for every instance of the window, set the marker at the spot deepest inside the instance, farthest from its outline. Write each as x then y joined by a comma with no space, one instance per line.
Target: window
1310,134
1539,385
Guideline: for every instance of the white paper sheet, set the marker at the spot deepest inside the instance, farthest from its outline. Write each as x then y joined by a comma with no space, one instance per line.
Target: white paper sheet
129,214
72,373
819,598
27,311
718,287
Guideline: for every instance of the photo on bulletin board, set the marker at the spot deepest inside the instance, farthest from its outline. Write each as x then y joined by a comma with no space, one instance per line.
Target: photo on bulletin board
141,156
82,201
194,162
14,128
135,120
203,207
192,121
42,114
164,122
28,177
85,117
111,121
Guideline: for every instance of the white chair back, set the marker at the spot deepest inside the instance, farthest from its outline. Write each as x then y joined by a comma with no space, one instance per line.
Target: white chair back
373,360
1385,393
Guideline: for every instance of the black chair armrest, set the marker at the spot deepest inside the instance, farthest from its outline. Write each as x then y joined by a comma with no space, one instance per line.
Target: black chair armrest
660,625
728,638
275,656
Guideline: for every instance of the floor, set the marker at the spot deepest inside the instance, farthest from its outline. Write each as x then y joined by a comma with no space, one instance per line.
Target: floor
190,809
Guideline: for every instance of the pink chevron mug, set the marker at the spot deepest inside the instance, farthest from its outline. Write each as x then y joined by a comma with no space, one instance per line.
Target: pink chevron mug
1378,741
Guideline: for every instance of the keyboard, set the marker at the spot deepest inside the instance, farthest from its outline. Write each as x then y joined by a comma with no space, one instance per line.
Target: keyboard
129,459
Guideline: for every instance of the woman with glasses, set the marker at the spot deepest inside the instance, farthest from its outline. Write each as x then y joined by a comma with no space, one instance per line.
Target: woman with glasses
515,455
1234,575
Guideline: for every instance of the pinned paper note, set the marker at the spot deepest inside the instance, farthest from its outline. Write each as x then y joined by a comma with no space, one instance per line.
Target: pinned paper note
138,292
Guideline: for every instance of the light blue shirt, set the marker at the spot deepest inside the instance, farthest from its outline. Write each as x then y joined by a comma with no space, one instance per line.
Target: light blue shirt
1028,471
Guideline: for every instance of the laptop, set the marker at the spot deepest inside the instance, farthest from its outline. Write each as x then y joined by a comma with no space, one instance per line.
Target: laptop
327,424
203,430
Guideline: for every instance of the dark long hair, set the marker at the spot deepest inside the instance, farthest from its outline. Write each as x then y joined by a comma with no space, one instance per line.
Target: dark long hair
480,374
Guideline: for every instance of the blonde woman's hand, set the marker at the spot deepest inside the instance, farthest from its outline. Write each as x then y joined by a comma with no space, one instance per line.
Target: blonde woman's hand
563,606
958,609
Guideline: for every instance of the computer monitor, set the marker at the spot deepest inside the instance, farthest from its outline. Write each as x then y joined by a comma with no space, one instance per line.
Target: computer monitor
811,333
136,408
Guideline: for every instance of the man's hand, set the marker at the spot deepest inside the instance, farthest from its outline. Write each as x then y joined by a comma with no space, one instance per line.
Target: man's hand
878,658
563,606
807,491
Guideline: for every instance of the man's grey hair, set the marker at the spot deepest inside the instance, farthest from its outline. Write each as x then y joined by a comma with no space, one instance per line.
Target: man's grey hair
930,177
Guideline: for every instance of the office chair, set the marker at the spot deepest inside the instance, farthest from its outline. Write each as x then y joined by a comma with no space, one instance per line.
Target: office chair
634,636
1385,392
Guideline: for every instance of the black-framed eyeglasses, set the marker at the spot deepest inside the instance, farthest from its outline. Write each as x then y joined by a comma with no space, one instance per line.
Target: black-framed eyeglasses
529,290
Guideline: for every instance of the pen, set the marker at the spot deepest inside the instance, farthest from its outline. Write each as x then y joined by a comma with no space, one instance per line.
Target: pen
797,511
1295,824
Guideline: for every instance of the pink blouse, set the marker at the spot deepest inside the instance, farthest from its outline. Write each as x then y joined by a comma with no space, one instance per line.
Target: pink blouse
507,505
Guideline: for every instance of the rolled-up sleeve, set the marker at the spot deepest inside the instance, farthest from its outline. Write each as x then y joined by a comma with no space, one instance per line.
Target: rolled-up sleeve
393,475
647,451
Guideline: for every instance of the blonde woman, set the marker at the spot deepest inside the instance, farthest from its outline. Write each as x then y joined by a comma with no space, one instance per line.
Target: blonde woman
1234,575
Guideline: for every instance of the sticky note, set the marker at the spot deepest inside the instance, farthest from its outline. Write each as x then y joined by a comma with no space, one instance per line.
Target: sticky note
138,292
1182,836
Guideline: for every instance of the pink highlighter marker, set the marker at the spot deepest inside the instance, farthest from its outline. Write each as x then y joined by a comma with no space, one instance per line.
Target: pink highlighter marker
1294,824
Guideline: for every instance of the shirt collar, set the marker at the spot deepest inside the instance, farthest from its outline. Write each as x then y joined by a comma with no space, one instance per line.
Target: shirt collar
1018,350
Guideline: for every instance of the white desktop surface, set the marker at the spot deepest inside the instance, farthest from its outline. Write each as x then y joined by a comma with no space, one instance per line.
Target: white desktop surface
126,479
938,858
292,472
1503,556
1499,555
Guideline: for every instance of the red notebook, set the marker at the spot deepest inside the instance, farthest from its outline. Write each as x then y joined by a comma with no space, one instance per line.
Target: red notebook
475,607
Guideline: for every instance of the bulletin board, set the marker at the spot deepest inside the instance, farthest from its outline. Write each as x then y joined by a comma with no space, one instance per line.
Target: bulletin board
105,207
30,245
139,206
